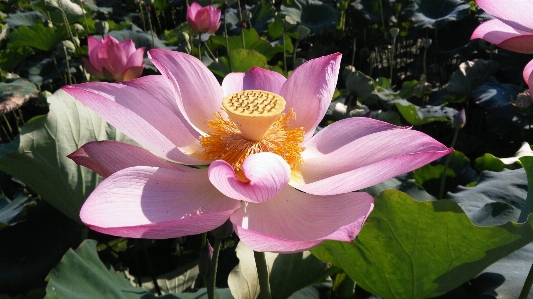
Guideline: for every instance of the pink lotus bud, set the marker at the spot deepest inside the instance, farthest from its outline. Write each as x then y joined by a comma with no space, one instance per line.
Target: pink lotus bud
203,19
112,60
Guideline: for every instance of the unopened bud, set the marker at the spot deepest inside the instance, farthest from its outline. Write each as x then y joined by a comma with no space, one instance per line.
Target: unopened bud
426,43
206,257
394,32
459,119
102,27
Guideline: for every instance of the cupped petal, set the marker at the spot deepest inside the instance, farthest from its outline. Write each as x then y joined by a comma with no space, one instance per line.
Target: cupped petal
156,203
201,94
91,69
516,14
131,73
295,221
528,70
254,79
112,56
128,46
107,157
232,83
337,161
136,58
505,36
141,117
309,90
268,174
94,44
193,9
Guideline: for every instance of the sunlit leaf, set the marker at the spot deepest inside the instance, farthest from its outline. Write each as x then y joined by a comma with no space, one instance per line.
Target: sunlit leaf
436,13
410,249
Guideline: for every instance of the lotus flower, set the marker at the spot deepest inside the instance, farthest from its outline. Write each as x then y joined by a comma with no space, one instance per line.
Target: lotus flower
203,19
112,60
512,28
283,189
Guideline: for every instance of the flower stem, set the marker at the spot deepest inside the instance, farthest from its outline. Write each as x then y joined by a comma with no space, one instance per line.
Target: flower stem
213,271
527,284
443,176
199,47
262,274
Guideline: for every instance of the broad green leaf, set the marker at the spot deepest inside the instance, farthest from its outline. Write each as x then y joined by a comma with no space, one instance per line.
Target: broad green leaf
361,86
417,116
288,273
489,162
239,61
469,76
410,249
459,172
81,274
55,9
14,94
23,18
319,17
527,208
252,41
37,36
10,58
524,151
140,39
13,212
38,156
436,13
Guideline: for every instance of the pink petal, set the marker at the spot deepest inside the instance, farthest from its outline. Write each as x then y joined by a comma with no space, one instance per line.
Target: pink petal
128,46
107,157
354,153
136,58
112,56
516,14
528,70
505,36
91,69
201,94
268,174
295,221
193,9
254,79
131,73
232,83
94,44
309,90
162,90
156,203
141,117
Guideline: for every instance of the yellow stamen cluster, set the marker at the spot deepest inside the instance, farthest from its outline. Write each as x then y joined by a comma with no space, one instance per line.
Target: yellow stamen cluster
227,142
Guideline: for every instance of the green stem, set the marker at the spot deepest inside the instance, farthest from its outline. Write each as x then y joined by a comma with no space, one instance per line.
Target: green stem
424,62
443,176
199,47
527,284
262,274
226,36
392,57
284,54
242,30
149,12
68,65
213,271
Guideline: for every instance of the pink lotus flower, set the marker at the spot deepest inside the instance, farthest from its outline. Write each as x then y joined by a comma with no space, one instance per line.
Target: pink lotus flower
512,28
203,19
185,117
110,59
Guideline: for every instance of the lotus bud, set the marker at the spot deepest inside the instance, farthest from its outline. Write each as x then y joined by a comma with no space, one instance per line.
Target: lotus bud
102,27
394,32
426,43
203,19
459,119
112,60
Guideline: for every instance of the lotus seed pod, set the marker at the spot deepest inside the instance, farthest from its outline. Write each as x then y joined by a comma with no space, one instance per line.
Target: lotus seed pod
347,70
426,43
254,111
394,32
67,46
78,27
102,27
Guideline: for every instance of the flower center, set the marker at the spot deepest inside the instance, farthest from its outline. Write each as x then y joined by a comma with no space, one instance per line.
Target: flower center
256,124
